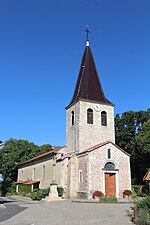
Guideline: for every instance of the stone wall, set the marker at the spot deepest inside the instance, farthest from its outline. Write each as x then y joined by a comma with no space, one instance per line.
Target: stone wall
82,135
72,182
91,167
97,161
35,171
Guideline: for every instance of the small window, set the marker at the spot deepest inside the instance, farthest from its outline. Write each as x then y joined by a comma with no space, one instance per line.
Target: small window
80,176
109,154
43,171
104,118
90,116
22,175
34,173
72,117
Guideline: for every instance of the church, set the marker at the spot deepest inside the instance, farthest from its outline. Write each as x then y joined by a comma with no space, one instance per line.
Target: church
90,161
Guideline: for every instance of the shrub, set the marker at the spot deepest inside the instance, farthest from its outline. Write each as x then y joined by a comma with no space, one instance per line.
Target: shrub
44,192
35,196
143,216
140,190
127,192
98,194
60,191
28,195
12,188
110,199
24,188
11,193
144,204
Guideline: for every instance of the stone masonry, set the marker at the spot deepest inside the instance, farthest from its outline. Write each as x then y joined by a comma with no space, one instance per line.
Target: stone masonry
82,135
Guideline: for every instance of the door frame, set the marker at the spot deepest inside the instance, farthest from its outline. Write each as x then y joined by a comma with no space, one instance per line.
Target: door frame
116,180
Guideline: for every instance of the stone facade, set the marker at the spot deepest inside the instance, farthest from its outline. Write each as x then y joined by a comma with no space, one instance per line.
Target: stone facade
82,135
41,169
91,170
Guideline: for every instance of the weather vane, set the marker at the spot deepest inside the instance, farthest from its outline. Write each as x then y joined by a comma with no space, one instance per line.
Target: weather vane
87,32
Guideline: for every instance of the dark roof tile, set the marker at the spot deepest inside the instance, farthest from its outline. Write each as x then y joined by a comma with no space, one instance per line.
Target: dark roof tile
88,85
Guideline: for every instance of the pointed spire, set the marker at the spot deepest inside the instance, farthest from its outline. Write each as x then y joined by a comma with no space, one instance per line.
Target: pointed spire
88,86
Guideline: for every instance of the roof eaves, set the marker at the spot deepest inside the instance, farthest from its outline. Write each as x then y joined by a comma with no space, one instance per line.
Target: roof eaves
41,156
100,145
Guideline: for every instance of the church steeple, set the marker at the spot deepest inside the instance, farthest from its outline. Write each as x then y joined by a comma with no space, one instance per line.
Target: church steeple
90,115
88,86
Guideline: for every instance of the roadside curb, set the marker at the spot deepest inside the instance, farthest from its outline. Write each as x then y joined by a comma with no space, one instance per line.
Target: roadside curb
2,206
97,202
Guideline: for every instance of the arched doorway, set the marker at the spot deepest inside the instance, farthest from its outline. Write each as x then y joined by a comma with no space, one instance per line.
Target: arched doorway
110,179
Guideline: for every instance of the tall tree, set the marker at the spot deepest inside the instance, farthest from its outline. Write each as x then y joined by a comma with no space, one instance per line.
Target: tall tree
127,127
143,146
12,154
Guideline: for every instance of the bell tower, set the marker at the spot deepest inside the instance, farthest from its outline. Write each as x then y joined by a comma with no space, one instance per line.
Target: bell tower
89,115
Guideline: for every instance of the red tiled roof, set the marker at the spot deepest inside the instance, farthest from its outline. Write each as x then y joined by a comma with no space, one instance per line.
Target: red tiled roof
42,155
147,175
100,145
69,155
28,182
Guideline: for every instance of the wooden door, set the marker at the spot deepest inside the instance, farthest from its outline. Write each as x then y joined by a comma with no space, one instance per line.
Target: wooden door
110,184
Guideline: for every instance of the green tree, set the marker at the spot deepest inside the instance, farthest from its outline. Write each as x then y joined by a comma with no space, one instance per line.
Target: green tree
143,146
127,127
12,154
45,148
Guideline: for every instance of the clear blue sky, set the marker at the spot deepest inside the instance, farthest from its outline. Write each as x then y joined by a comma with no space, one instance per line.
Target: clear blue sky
41,46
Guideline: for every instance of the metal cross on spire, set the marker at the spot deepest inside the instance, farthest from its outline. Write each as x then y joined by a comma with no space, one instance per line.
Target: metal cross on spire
87,32
87,35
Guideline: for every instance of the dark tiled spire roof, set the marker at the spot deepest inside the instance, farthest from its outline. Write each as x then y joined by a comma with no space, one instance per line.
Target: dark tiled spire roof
88,85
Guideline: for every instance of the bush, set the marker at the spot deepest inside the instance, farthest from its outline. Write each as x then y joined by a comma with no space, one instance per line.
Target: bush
144,204
35,196
44,192
12,188
60,191
24,188
139,190
98,194
11,193
143,216
28,195
110,199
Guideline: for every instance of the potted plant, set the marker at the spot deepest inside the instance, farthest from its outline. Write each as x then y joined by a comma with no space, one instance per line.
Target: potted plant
127,194
97,194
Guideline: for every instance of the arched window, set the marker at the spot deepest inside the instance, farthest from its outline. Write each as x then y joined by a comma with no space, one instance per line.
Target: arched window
103,118
34,173
109,166
72,118
109,153
43,171
22,175
80,176
90,116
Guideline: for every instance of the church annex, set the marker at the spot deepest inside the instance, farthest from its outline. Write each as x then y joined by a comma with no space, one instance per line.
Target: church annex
90,160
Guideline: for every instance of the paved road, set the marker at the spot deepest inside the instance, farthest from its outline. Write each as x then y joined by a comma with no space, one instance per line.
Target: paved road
69,213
